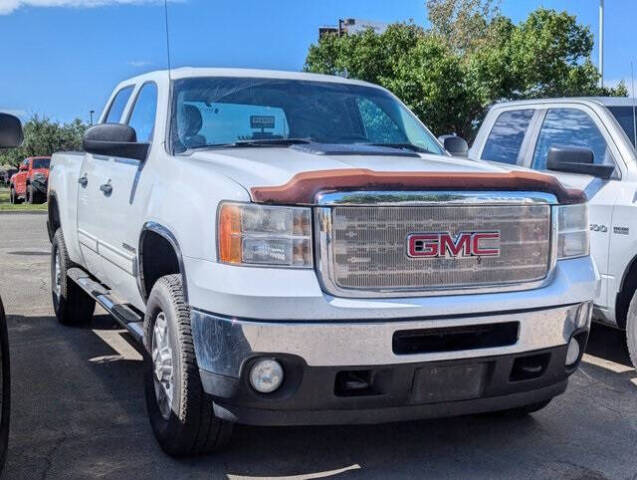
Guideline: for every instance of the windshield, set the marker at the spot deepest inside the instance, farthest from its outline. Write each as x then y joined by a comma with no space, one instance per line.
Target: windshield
625,117
224,112
41,162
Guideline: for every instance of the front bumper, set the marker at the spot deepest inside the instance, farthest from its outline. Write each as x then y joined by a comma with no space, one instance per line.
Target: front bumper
319,356
39,185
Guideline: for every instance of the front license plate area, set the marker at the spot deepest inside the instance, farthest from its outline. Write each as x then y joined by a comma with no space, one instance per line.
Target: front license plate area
435,383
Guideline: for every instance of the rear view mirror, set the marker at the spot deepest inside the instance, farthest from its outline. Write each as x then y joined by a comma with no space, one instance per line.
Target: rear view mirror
10,131
456,146
576,160
114,140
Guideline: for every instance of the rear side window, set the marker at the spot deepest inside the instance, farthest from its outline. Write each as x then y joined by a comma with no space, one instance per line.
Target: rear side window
505,140
143,117
116,109
570,127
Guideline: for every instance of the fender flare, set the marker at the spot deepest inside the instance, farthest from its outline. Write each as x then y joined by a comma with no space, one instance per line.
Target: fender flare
164,232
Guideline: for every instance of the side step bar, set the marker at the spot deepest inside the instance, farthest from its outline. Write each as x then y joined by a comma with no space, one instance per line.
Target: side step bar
122,313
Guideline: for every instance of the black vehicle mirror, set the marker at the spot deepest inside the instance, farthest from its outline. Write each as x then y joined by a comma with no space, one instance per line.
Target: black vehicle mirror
10,131
456,146
576,160
114,140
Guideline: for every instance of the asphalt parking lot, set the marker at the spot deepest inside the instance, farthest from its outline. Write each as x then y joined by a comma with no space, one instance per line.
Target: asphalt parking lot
78,410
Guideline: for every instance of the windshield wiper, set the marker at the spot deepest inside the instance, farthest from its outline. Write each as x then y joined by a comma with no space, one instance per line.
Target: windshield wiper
405,146
258,142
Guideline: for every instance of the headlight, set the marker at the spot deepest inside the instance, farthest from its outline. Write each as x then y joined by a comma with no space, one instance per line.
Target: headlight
250,234
573,231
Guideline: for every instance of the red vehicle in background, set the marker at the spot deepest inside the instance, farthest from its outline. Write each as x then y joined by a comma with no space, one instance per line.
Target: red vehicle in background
31,181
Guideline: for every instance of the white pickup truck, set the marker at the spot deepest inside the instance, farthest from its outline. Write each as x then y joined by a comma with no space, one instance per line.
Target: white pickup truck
587,143
299,249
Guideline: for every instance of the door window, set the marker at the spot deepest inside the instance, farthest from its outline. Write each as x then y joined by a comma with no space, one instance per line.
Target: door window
143,117
116,109
570,127
505,140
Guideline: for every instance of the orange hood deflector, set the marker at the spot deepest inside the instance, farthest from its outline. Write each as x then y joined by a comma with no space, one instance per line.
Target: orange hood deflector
303,187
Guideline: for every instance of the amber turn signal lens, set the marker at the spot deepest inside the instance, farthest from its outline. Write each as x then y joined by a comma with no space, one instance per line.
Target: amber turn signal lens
230,234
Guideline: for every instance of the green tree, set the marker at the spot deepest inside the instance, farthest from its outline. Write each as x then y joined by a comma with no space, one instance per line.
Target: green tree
471,57
44,137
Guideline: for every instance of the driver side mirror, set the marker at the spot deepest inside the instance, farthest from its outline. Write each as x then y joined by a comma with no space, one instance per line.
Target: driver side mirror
577,160
10,131
114,140
456,146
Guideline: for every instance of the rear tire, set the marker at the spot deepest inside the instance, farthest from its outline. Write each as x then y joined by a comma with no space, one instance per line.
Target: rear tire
180,412
5,383
13,197
72,305
631,329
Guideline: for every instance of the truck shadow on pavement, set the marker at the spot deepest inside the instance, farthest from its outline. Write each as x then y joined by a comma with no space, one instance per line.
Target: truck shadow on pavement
79,412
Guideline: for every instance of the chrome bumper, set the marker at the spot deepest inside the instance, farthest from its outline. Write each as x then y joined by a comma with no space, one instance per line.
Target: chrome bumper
223,344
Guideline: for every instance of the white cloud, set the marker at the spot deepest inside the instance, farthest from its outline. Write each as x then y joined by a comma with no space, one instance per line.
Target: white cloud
139,63
8,6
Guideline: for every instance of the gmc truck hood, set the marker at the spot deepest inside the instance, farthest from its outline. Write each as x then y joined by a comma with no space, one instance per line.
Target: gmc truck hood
271,166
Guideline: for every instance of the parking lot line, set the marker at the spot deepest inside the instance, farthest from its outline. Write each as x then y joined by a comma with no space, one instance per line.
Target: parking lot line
606,364
326,474
116,341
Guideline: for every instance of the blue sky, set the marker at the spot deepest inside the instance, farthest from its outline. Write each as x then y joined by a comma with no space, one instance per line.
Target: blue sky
63,61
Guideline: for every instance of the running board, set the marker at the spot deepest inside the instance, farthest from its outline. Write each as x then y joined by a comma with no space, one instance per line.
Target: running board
122,313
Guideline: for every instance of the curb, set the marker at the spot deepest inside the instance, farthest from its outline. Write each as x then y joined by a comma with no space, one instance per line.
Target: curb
26,212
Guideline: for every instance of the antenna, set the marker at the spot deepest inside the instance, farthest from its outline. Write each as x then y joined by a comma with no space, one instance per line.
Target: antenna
167,36
632,81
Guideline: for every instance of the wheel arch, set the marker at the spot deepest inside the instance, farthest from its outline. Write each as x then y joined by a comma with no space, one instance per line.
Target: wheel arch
54,221
164,258
625,293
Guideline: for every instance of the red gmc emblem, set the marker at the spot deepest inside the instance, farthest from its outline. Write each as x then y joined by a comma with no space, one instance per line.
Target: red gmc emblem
473,244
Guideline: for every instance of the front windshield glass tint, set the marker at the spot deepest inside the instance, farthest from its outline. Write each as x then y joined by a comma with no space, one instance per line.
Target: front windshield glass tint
41,162
219,111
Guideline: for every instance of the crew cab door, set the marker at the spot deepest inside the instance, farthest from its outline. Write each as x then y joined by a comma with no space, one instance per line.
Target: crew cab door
92,219
123,201
568,125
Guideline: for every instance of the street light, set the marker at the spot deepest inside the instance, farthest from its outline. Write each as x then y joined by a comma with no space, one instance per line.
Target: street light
91,113
601,43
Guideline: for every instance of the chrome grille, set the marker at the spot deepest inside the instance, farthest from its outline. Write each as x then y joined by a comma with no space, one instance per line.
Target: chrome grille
366,247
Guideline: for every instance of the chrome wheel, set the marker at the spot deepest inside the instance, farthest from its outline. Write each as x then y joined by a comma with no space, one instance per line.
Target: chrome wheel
162,355
57,275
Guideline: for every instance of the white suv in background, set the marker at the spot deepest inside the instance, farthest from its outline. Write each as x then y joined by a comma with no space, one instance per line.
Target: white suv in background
588,143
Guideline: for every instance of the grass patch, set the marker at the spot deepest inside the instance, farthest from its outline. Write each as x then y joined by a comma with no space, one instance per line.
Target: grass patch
6,206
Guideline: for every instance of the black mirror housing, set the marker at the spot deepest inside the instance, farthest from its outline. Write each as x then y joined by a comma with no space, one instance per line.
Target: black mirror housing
456,146
114,140
576,160
11,135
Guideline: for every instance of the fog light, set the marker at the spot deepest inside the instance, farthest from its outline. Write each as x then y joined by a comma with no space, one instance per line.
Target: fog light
572,354
266,375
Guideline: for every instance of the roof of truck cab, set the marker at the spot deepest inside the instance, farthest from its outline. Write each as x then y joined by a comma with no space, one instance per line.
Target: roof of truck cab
606,101
191,72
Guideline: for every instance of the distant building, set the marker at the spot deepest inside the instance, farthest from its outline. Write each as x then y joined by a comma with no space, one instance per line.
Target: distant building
351,26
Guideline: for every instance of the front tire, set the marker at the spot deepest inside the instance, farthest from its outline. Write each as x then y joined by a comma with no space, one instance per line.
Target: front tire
180,412
72,305
631,329
5,385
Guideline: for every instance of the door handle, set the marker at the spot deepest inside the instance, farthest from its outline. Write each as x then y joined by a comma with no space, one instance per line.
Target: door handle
107,188
83,180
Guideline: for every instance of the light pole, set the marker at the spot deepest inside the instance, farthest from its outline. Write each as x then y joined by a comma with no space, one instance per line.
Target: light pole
601,43
91,113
